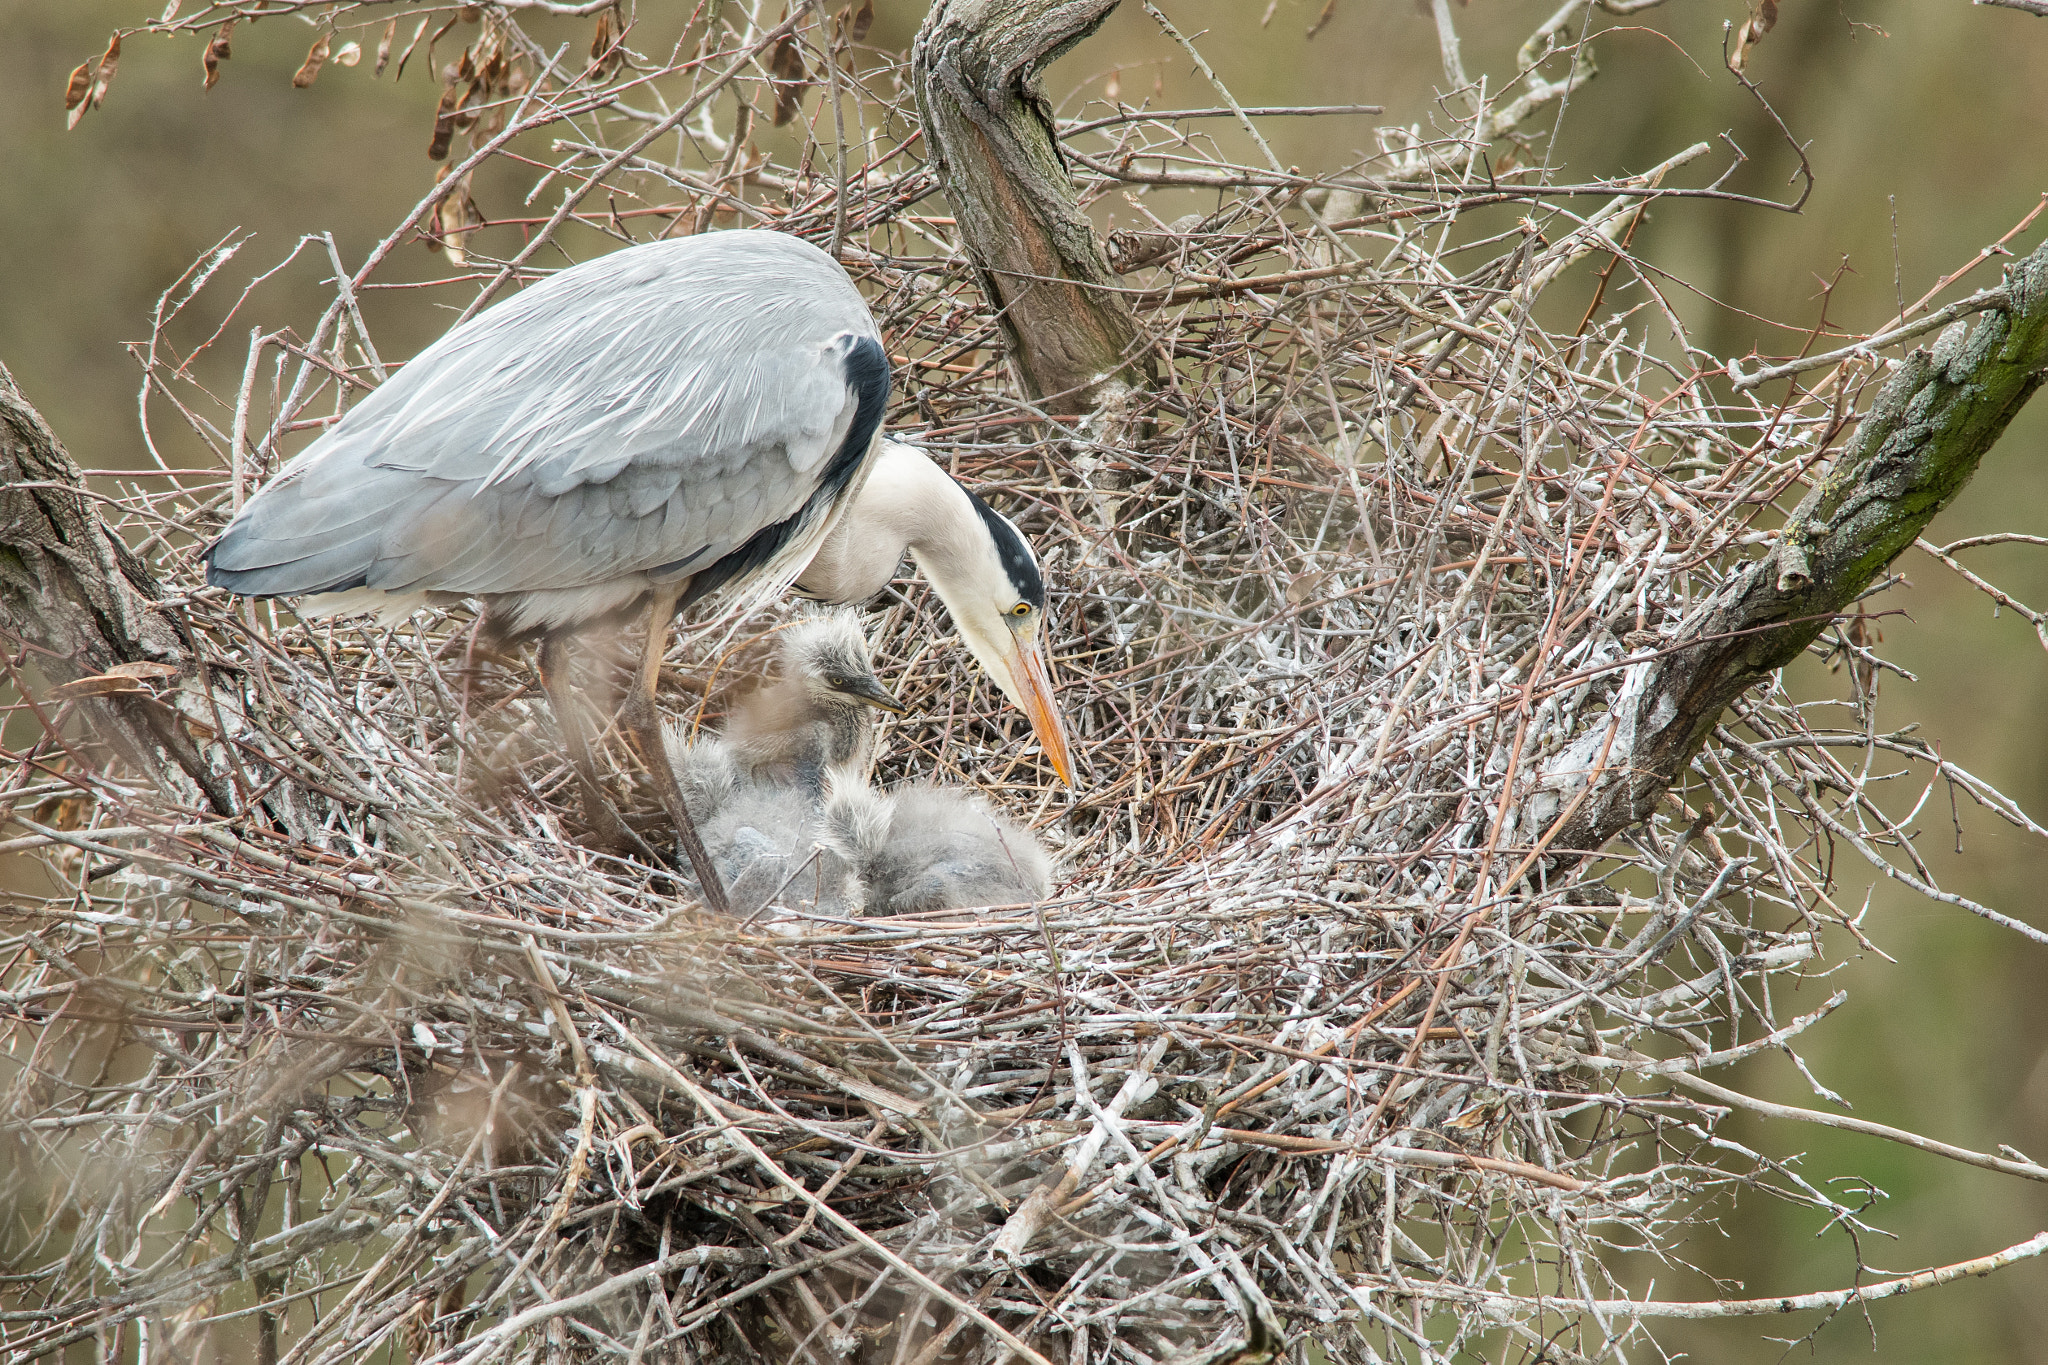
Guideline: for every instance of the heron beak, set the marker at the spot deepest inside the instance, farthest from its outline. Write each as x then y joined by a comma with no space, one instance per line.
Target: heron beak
871,691
1034,695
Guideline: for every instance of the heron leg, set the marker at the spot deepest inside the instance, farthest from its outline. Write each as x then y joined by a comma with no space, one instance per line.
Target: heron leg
605,823
642,720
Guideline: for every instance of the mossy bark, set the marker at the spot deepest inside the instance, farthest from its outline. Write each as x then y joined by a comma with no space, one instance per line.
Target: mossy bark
1939,413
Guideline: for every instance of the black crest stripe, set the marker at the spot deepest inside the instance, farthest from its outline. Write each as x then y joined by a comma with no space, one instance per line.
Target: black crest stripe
1017,560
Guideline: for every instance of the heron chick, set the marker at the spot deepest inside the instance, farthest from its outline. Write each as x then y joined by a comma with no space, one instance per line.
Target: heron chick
927,847
624,438
817,720
764,839
757,792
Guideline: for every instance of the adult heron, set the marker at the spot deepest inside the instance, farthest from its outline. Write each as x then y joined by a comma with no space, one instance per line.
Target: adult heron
625,437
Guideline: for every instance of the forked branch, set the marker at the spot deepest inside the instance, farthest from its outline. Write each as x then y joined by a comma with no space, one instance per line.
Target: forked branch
976,66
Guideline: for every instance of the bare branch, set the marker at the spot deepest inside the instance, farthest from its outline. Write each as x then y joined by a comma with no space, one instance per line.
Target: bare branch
1831,1300
1936,418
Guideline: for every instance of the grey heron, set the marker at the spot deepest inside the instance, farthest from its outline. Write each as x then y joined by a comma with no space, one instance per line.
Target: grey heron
927,847
757,791
627,436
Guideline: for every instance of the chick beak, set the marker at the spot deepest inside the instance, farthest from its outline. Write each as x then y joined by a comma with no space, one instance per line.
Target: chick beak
871,691
1034,695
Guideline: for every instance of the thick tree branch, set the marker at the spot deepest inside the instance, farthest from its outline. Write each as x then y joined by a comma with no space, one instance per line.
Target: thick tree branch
75,602
1937,415
976,65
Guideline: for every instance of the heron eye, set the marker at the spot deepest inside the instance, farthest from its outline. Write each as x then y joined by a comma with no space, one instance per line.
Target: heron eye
1021,609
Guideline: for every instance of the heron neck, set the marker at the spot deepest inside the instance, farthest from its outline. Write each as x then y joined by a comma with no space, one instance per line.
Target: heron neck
907,504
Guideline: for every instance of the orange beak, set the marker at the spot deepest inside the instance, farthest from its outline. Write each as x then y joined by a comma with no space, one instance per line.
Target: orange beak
1034,695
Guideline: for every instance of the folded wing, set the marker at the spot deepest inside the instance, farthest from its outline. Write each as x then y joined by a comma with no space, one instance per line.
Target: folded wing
642,414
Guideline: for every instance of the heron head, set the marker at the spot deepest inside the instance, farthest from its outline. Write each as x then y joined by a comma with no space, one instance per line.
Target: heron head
829,655
997,597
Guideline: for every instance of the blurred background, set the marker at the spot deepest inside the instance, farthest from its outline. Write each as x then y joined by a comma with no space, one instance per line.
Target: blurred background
1926,124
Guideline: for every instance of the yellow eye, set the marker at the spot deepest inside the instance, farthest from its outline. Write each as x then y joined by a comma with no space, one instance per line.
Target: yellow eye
1021,609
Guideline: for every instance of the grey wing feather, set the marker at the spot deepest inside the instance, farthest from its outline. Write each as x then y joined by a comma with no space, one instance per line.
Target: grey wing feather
661,403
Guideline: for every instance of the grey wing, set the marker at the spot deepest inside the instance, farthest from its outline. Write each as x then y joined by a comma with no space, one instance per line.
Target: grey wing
646,412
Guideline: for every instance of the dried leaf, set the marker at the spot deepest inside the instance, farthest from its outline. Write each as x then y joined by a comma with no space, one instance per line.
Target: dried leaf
143,668
488,124
788,62
791,79
384,46
412,43
217,52
1763,18
316,57
454,218
170,12
66,812
607,53
1303,586
75,92
110,60
444,122
466,115
1114,86
469,14
863,20
348,54
100,685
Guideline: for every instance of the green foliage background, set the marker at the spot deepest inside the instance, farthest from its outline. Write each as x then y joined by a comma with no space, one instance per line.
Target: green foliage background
1927,125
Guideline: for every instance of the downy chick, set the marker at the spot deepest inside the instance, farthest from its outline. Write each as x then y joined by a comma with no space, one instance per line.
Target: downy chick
933,848
757,793
817,718
761,835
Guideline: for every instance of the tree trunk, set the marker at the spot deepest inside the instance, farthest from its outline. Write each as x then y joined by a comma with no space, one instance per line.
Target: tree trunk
975,66
75,602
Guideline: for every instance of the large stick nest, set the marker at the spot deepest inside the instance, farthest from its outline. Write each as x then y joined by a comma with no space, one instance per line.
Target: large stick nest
1323,1037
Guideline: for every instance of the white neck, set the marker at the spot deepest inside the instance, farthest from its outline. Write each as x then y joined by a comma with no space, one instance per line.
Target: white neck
907,504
